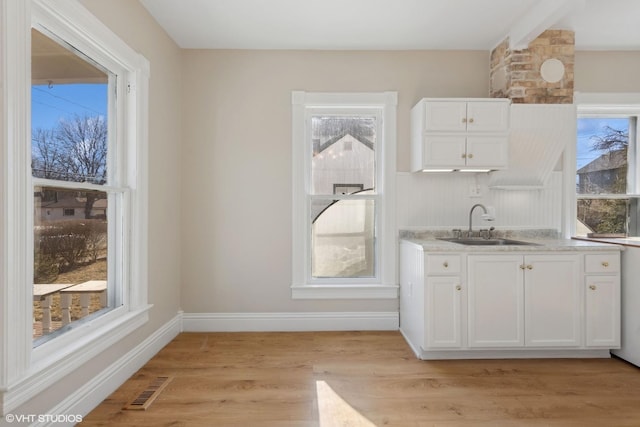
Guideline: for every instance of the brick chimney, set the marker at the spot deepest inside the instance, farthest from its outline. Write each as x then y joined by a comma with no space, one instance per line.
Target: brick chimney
540,74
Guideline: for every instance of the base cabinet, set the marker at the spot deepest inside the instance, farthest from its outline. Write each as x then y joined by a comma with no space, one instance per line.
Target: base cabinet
496,303
443,308
460,305
602,311
553,300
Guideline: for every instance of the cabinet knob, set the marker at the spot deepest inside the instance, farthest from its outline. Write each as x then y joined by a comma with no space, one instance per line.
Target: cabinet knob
445,264
605,264
458,287
470,156
464,120
529,267
464,156
592,287
521,266
471,120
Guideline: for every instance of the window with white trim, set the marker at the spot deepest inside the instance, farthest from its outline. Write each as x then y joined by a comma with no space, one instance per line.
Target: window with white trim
343,175
607,183
73,193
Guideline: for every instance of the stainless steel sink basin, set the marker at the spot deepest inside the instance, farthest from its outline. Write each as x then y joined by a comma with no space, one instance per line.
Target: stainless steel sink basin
485,242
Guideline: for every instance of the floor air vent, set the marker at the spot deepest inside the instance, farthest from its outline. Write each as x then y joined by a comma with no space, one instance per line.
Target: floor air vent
146,398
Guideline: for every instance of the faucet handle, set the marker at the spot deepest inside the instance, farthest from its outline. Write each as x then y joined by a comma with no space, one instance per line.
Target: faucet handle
457,233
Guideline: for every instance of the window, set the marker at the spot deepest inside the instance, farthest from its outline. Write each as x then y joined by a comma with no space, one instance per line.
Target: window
607,188
73,136
74,195
343,166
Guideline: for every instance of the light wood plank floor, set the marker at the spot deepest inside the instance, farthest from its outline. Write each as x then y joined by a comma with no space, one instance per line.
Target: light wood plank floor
366,379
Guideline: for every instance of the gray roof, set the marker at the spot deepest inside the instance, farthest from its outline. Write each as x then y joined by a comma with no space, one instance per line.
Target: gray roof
608,161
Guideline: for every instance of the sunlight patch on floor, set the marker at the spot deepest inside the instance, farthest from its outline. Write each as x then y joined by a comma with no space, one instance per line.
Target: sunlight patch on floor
334,411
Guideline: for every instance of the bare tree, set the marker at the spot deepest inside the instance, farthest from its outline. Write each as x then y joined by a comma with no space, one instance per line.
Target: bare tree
83,145
612,140
45,161
76,150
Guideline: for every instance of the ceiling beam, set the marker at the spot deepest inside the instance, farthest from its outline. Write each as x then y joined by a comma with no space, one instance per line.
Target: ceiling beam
539,18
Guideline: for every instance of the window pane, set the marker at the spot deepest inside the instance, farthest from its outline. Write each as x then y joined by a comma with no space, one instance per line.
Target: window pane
602,216
343,238
343,154
602,155
69,104
70,248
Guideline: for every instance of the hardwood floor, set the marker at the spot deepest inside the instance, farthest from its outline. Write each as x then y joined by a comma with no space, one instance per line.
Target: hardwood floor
366,379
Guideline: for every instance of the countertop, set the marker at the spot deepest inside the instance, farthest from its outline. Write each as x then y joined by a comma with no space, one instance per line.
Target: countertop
624,241
542,243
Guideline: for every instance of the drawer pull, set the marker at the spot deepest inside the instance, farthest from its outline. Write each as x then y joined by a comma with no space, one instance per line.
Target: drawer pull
445,264
458,287
592,287
605,264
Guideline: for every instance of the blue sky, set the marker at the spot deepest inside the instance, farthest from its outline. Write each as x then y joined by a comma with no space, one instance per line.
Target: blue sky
594,126
49,105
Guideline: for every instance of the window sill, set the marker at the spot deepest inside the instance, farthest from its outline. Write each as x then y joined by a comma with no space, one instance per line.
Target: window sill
51,367
344,291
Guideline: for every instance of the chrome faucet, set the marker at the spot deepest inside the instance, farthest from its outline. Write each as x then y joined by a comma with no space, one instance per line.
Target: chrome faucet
486,214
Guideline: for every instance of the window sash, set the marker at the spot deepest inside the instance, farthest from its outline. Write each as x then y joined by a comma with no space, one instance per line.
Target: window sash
344,111
319,280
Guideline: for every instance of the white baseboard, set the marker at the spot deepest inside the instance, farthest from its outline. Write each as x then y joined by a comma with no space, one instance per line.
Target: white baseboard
92,393
290,322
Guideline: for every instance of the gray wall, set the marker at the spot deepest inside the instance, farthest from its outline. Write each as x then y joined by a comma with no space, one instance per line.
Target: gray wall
236,160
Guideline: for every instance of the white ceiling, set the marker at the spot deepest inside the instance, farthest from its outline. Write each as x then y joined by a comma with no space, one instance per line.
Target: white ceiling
394,24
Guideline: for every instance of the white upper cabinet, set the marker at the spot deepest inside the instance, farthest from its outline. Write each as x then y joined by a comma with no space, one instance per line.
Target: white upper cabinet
466,116
459,134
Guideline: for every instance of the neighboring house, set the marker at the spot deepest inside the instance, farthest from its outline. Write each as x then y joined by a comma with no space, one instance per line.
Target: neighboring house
342,165
70,208
604,174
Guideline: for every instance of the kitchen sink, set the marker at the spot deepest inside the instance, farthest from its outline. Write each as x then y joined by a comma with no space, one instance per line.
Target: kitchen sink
485,242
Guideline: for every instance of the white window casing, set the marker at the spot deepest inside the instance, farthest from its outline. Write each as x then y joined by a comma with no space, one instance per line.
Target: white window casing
383,285
24,370
602,105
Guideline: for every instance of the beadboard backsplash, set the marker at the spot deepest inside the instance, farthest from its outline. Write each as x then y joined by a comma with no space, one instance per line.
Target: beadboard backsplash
433,200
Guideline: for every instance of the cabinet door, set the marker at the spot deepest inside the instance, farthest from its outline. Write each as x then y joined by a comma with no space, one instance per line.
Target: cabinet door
487,116
603,311
495,301
487,151
446,116
443,315
442,150
552,300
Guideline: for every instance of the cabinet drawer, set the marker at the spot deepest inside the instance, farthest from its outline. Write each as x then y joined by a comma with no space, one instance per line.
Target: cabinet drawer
443,264
602,263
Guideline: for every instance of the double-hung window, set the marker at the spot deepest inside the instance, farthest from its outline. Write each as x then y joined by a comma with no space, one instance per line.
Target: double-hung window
343,169
607,159
74,164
